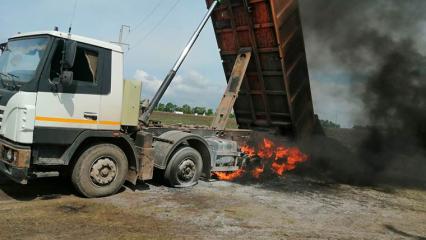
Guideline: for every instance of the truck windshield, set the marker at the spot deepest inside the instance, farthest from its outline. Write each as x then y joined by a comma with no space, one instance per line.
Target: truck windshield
20,59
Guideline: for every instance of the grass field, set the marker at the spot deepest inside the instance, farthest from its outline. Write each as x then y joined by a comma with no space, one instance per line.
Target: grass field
188,119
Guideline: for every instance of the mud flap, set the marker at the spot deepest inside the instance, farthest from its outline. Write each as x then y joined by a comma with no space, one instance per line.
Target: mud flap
145,156
146,164
132,177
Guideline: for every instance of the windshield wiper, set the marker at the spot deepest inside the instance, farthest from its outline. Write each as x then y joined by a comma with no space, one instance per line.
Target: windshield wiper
2,80
10,77
13,76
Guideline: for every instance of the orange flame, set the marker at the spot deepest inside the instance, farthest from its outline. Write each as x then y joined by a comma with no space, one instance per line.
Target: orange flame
249,151
267,143
229,176
279,159
258,171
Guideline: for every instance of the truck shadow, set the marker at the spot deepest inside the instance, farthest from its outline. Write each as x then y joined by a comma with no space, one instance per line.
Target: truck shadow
157,181
44,189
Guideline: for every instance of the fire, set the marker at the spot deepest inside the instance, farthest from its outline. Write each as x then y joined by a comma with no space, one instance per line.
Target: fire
258,171
267,143
249,151
229,176
272,159
279,168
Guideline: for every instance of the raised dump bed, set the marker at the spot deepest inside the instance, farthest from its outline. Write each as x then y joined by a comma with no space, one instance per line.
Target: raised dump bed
275,94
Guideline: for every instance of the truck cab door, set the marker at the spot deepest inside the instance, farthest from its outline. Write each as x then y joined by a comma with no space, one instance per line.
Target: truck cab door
66,109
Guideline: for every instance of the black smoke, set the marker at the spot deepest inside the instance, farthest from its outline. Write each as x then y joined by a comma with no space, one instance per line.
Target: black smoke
380,45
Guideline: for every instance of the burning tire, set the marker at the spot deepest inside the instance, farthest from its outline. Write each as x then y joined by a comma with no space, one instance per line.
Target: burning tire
184,168
100,171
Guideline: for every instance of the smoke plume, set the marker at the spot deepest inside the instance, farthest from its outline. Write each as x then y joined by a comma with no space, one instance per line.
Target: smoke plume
380,46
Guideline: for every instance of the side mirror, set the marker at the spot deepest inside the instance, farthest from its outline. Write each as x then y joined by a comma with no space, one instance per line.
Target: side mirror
66,78
70,50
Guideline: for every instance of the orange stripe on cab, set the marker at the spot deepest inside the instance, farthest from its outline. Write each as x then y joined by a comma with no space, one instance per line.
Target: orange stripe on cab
73,120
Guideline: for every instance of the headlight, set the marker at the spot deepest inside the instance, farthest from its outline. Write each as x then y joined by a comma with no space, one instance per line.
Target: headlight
9,155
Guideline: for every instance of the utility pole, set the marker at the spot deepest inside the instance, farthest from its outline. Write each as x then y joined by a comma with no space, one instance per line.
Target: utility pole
120,37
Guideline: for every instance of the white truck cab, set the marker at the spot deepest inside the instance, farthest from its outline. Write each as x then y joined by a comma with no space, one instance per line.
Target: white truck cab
37,111
65,108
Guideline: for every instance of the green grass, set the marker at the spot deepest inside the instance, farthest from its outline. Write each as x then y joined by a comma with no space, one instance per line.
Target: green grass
188,119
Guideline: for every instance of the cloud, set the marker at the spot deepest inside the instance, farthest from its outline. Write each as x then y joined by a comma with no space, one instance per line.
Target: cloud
191,88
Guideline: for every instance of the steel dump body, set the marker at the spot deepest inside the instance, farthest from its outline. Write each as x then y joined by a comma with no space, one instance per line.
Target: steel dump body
275,94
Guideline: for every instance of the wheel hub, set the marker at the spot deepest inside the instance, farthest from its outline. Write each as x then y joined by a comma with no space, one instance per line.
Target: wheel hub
186,170
103,171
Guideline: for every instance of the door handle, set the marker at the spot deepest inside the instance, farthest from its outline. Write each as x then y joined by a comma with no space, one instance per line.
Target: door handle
91,116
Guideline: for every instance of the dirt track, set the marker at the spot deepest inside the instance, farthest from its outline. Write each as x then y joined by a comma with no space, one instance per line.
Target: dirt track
287,208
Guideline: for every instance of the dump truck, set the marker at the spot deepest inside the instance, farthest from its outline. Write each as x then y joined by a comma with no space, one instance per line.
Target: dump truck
66,109
276,93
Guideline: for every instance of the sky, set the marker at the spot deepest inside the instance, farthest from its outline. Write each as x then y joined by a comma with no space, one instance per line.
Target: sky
153,50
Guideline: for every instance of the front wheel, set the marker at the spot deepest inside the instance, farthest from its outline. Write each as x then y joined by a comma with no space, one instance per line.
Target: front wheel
100,171
184,168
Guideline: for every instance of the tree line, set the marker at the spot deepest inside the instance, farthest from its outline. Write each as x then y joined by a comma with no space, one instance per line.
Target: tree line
329,124
186,109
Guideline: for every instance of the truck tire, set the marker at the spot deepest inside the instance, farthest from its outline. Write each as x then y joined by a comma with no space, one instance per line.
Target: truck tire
100,171
184,168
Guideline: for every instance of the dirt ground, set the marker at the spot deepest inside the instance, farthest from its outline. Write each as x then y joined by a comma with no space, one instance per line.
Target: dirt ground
288,207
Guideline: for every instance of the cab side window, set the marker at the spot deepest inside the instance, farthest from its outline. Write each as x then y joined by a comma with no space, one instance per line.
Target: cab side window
91,70
85,66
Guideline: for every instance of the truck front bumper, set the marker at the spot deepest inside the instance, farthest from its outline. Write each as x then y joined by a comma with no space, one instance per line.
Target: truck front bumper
15,161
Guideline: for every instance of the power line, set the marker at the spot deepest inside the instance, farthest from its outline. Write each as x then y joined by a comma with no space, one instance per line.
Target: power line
157,25
159,3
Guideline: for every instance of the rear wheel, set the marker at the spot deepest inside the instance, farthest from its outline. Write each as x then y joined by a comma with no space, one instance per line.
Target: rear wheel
100,171
184,168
